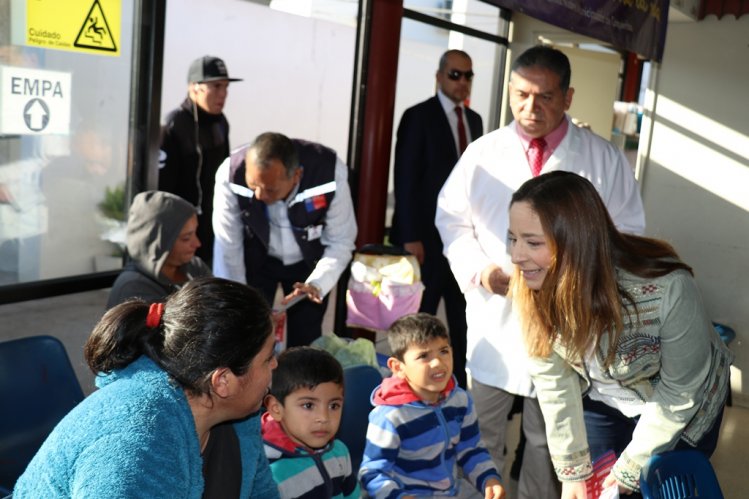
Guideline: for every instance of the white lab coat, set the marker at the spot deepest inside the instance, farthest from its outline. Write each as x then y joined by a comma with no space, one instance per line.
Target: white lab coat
472,218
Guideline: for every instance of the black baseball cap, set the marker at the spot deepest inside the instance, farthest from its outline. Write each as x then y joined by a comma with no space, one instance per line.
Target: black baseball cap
208,68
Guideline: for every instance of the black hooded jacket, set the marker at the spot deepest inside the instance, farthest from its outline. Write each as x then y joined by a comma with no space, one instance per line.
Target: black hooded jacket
193,145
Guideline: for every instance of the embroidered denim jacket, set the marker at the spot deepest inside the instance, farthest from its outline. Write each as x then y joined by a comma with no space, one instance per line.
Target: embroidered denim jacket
669,355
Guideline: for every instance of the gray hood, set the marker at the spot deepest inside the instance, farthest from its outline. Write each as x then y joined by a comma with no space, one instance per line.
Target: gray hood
154,222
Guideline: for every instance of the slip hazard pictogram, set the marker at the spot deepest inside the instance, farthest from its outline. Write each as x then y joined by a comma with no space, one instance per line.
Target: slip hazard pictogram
95,33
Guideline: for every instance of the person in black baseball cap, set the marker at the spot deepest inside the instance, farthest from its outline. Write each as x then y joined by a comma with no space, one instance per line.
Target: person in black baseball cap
209,83
194,142
208,68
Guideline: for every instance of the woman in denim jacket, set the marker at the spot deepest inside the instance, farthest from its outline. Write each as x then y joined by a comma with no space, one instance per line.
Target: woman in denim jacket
623,355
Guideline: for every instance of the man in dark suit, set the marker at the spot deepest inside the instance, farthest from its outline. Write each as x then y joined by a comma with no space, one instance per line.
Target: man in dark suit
431,137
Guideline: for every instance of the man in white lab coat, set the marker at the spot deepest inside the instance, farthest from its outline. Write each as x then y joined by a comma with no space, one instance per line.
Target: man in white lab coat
472,217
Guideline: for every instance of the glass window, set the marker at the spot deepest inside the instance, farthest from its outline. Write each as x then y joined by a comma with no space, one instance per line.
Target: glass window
337,11
421,47
475,14
420,50
65,100
297,71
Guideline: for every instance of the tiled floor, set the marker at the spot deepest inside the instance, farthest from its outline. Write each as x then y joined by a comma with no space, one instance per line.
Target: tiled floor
72,317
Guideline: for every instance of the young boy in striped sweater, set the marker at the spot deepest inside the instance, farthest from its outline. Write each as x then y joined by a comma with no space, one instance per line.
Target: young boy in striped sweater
299,427
424,426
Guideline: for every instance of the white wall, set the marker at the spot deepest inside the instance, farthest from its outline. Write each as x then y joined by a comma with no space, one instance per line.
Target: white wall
595,78
696,178
297,71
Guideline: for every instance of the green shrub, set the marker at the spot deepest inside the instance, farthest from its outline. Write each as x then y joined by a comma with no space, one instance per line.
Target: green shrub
113,204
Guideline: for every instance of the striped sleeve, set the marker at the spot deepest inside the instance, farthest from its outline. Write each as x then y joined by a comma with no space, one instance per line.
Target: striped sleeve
473,457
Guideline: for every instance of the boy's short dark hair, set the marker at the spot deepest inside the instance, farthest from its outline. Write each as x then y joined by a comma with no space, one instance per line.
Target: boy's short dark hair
304,367
414,329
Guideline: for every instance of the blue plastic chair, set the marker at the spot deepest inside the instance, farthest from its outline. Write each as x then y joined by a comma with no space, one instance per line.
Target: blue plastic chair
359,381
38,386
727,334
679,474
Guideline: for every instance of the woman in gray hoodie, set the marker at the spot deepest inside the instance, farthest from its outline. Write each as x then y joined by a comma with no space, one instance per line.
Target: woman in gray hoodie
161,243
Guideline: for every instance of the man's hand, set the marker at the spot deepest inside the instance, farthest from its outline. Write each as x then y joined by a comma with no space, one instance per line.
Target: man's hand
416,248
300,288
493,489
494,280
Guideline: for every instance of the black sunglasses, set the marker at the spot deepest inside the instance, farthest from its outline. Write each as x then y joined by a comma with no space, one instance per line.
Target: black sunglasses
455,75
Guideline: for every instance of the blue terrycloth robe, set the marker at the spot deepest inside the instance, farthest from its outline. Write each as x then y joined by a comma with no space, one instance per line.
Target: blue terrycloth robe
135,437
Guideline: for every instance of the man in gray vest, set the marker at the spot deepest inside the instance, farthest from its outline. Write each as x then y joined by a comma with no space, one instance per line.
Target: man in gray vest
283,214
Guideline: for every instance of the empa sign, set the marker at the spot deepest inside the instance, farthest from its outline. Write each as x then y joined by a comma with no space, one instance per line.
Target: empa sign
34,101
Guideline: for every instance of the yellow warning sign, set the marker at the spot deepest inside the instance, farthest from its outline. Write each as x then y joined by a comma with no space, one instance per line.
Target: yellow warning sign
90,26
95,32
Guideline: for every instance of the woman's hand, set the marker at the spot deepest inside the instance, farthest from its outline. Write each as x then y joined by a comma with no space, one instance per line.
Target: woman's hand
574,490
611,480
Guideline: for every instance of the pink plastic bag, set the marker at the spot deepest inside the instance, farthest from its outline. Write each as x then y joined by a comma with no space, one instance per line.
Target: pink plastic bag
378,306
383,287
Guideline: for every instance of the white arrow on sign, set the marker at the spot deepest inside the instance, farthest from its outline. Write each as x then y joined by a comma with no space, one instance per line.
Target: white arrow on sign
36,114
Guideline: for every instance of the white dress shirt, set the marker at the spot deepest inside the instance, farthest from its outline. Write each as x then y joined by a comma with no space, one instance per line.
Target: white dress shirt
449,107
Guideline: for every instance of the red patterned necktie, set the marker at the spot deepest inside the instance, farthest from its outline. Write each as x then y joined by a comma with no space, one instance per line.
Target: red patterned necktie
536,155
462,138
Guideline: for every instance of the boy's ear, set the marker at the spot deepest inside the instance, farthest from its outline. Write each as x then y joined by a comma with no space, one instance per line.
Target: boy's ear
396,366
274,407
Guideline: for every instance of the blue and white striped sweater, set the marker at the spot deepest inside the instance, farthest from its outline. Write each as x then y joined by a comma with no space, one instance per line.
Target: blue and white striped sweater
415,448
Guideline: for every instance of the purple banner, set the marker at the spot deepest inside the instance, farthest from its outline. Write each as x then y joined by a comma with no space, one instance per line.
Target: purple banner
638,26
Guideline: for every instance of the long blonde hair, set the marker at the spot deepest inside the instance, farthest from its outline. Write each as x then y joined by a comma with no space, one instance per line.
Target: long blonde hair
580,299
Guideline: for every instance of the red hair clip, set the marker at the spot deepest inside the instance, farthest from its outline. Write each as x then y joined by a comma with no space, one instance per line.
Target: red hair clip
155,311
